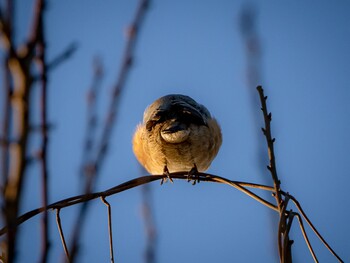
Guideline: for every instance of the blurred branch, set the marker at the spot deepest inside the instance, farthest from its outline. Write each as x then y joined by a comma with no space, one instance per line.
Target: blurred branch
88,169
110,233
6,29
126,63
66,54
41,61
87,166
98,159
18,75
253,47
248,26
150,226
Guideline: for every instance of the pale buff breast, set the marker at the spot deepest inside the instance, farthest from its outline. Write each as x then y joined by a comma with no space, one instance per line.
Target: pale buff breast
200,148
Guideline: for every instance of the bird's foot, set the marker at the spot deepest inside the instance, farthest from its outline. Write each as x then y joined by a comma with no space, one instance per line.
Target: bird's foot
167,174
193,175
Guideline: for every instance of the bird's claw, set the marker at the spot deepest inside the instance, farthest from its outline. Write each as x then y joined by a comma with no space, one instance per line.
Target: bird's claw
193,175
167,174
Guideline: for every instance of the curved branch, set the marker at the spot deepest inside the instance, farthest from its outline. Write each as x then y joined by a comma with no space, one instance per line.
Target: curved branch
144,180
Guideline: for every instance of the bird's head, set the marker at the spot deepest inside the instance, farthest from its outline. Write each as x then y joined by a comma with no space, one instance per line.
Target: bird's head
174,114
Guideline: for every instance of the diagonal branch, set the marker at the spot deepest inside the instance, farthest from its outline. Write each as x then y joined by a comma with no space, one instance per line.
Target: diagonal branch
111,116
126,63
66,54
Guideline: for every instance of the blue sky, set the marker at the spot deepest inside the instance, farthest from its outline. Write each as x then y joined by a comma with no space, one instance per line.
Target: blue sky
196,48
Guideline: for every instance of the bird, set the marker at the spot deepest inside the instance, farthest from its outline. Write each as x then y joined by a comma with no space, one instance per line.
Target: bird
177,134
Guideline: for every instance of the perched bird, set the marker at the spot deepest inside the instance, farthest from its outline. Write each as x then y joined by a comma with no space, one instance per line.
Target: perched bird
177,134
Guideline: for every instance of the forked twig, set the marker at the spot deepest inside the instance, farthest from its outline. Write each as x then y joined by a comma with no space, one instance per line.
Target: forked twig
297,204
110,233
59,226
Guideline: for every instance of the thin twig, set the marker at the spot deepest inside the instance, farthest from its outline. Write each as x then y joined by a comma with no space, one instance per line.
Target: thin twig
87,168
246,191
110,233
134,183
59,226
66,54
297,204
55,62
305,236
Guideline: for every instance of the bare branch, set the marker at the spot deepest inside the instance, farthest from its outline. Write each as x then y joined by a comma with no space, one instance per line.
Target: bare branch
284,243
270,147
297,204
